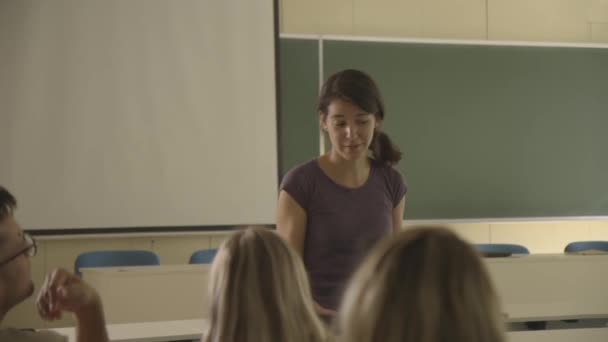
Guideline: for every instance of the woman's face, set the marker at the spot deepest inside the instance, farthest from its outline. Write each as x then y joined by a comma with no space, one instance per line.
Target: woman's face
350,129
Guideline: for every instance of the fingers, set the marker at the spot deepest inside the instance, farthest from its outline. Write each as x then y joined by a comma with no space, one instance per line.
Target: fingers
58,279
42,306
50,298
72,295
327,312
322,311
43,301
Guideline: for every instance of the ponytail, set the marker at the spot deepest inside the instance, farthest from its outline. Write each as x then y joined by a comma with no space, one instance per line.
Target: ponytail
384,151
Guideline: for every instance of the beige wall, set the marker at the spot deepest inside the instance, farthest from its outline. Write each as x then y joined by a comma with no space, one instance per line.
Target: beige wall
528,20
540,236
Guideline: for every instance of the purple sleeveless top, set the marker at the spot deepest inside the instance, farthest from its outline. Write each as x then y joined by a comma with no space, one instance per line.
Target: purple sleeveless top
342,223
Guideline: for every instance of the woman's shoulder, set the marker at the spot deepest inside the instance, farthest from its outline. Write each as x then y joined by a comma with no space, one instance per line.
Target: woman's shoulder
299,182
387,170
392,178
306,170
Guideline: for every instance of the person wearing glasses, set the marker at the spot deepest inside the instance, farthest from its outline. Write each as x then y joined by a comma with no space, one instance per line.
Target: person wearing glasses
61,292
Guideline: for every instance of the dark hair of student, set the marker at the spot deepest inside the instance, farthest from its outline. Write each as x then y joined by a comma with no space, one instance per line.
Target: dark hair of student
8,203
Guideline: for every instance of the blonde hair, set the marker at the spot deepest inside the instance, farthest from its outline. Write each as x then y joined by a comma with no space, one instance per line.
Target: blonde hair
260,292
424,285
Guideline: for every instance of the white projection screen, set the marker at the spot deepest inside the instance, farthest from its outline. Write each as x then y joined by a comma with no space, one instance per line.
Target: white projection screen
138,113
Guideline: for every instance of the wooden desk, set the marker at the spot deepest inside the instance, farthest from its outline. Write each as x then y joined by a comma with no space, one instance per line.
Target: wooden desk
151,293
551,286
193,329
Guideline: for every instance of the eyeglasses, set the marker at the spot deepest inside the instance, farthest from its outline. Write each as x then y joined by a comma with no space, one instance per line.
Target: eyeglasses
29,250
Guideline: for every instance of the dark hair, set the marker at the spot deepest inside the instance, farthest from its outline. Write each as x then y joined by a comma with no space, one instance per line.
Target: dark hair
8,203
360,89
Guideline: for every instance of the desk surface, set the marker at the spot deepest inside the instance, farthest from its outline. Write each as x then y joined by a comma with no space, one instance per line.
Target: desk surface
550,257
193,329
151,293
145,269
551,286
149,331
537,287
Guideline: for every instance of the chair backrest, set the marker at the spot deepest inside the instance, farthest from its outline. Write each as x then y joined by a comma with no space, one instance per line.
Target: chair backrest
501,248
582,246
203,256
115,258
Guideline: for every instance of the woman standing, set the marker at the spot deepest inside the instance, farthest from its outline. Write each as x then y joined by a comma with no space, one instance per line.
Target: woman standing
333,209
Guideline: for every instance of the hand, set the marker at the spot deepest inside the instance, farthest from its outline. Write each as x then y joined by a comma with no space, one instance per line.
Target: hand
62,291
321,311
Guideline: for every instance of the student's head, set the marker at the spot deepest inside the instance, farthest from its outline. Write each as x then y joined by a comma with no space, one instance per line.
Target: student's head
351,112
424,285
260,292
16,247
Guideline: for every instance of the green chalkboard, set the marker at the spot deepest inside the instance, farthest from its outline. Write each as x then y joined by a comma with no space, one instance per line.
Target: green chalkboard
298,90
492,131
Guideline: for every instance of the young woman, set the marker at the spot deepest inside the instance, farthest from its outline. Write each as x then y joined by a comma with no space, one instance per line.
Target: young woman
260,292
333,209
424,285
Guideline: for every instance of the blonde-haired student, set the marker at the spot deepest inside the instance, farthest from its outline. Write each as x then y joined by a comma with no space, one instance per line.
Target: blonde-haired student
260,292
424,285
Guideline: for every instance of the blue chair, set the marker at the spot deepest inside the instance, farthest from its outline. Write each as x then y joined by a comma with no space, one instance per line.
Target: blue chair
115,258
203,256
582,246
501,248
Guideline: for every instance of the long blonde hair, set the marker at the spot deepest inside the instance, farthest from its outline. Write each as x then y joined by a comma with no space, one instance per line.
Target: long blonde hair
424,285
260,292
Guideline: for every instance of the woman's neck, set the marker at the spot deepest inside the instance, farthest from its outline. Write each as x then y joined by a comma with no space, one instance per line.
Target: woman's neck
344,166
348,173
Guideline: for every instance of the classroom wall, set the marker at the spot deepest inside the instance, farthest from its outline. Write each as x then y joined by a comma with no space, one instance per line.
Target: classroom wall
528,20
539,235
535,20
582,21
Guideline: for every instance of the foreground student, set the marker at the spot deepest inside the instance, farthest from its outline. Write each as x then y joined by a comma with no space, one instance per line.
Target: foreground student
62,291
259,292
425,285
